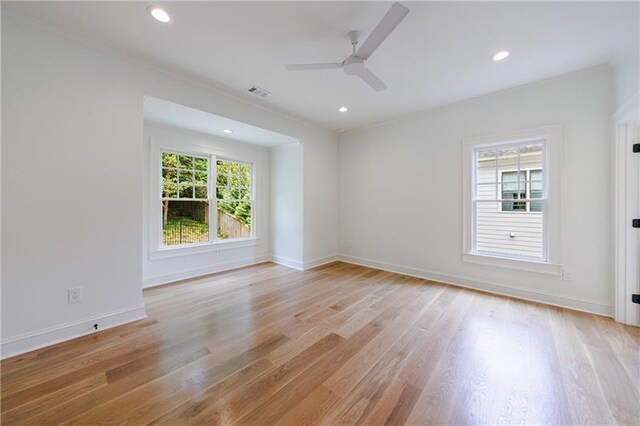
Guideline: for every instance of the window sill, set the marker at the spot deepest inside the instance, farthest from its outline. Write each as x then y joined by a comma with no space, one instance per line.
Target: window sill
186,250
520,264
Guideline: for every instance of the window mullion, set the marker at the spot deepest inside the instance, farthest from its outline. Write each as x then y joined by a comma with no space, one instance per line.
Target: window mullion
498,187
527,189
213,199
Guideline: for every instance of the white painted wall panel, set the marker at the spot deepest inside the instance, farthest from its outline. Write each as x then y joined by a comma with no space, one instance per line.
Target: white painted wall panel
287,204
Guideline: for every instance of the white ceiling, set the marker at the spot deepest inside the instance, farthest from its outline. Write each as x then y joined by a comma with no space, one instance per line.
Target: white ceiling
439,54
172,114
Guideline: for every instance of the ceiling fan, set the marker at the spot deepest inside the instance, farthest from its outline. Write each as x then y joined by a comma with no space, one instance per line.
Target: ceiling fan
355,63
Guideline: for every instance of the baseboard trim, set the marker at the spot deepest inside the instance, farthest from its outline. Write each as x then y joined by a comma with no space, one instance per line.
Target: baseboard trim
28,342
303,266
319,262
193,273
559,300
288,262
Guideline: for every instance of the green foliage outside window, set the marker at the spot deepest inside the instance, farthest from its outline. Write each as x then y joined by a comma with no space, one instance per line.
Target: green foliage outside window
184,176
233,189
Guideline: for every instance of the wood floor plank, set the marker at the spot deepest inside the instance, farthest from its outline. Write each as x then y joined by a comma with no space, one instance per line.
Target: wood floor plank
360,401
229,408
51,400
618,388
338,344
295,391
343,381
212,370
587,401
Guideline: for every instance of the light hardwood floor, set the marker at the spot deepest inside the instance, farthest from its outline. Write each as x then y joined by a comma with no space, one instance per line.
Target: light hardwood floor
338,344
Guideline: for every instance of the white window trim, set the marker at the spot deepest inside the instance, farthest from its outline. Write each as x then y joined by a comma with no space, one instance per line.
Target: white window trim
552,135
157,250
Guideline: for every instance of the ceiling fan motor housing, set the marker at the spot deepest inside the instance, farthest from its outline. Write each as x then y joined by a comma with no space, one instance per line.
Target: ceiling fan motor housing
353,65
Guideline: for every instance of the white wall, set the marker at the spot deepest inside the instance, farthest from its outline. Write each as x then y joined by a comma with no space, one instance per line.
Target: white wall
627,80
161,267
627,67
72,172
74,219
287,205
400,189
320,202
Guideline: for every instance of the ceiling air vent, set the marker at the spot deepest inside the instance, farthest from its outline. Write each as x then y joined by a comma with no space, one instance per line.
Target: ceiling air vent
258,91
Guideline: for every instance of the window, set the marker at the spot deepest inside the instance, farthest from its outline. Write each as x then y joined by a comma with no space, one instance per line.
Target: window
535,190
185,199
187,189
513,190
530,187
502,226
233,195
511,199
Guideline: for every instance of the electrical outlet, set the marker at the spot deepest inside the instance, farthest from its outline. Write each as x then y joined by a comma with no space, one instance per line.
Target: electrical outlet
75,295
567,275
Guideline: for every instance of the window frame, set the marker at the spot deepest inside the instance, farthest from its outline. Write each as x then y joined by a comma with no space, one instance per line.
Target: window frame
552,182
156,249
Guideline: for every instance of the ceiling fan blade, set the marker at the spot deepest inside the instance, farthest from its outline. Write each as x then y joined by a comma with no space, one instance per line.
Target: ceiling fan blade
307,67
389,22
372,80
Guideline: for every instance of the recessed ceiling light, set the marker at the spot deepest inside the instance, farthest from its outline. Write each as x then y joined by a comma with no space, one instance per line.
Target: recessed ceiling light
229,131
160,14
501,55
343,109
